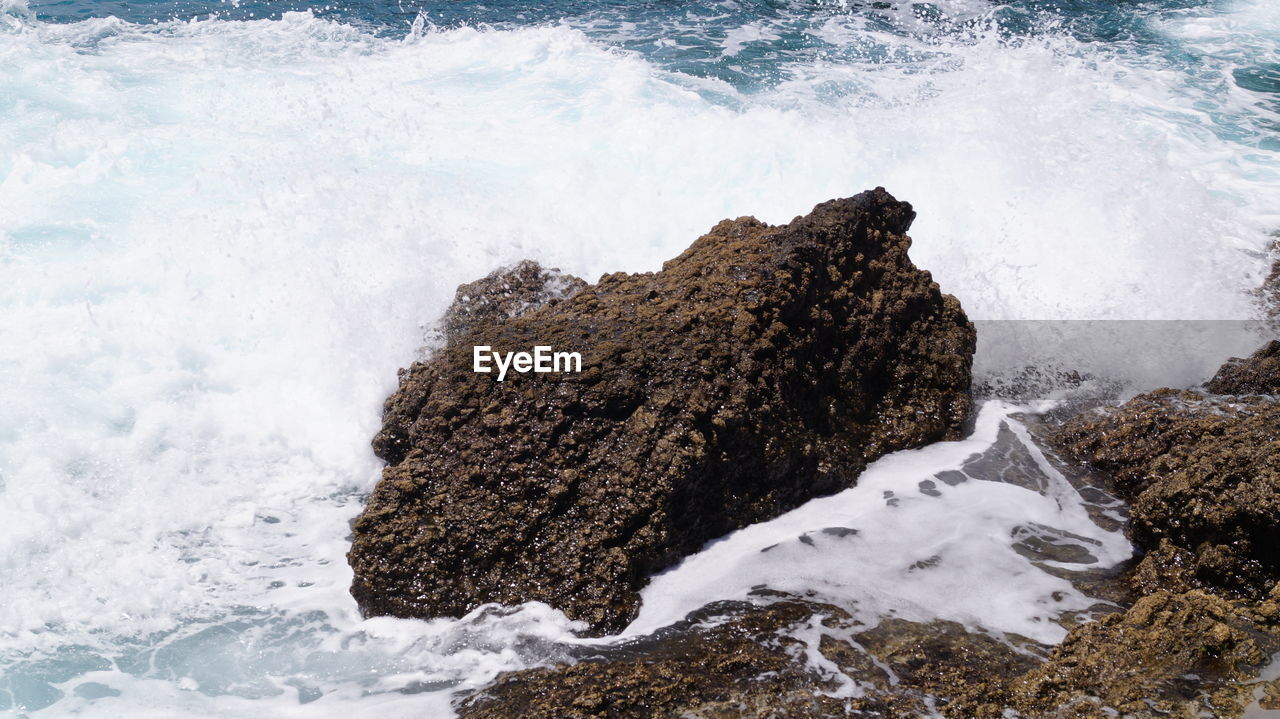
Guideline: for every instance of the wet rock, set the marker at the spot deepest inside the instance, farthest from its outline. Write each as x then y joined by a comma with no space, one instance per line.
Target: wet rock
1188,654
1203,476
943,665
748,668
796,659
1257,374
1028,384
762,367
1184,655
1269,293
506,294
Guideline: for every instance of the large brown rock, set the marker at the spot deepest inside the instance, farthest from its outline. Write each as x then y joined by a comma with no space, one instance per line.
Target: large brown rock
762,367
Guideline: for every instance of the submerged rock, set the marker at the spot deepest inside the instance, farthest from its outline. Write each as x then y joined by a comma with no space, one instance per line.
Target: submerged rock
749,667
1183,655
762,367
793,658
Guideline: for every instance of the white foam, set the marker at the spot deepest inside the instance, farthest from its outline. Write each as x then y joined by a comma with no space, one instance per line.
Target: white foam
914,556
738,38
304,666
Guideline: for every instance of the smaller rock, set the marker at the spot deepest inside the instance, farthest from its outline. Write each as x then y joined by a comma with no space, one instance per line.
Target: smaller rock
1035,383
1257,374
966,673
1171,654
1203,476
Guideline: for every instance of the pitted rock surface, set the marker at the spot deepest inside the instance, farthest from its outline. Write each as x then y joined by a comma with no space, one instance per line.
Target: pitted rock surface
1259,373
1203,475
762,367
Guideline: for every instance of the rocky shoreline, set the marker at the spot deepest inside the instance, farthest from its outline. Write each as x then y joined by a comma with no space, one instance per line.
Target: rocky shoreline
1200,626
802,353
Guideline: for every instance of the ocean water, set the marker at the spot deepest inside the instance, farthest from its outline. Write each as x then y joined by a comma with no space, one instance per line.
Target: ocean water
225,225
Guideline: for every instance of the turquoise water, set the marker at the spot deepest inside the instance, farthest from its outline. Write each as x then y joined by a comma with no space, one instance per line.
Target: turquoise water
224,226
705,39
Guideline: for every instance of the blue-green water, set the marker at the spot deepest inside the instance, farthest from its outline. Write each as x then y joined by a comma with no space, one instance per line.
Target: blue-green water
224,226
702,38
